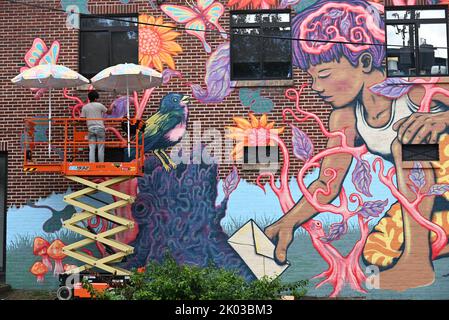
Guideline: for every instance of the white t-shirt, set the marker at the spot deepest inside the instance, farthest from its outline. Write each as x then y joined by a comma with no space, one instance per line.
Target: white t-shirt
379,140
94,110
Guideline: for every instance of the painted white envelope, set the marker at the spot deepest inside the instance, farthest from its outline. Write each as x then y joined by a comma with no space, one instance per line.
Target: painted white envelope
256,250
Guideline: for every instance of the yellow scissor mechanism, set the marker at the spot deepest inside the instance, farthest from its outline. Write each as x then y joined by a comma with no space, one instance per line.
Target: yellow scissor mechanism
120,224
72,138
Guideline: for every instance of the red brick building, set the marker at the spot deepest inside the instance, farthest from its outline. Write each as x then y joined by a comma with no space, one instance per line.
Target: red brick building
191,62
373,75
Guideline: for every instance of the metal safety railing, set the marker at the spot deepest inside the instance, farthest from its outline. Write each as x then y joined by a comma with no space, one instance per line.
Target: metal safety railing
69,147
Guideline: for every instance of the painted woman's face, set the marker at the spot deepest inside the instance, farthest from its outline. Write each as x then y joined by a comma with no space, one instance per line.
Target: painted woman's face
338,83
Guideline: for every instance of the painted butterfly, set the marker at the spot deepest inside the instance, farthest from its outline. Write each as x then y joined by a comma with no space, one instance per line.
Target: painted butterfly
198,18
41,54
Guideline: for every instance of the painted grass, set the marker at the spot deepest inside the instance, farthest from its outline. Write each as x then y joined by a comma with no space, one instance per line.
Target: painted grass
20,258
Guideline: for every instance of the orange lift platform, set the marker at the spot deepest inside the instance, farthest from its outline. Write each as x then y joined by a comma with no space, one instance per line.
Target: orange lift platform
66,154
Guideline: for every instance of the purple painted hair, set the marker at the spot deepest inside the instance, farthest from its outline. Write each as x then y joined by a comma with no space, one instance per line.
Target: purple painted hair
340,21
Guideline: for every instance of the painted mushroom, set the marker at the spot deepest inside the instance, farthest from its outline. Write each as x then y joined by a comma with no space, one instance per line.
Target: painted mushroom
55,252
39,269
40,248
68,267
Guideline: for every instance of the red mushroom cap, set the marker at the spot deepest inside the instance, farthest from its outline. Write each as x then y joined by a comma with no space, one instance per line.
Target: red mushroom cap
40,246
68,267
39,269
55,250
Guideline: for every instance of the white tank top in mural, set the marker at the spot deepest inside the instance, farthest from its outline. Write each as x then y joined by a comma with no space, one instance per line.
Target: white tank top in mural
379,140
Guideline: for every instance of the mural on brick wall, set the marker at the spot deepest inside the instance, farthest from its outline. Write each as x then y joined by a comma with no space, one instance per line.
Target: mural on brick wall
352,79
354,219
198,18
157,43
253,99
217,79
39,54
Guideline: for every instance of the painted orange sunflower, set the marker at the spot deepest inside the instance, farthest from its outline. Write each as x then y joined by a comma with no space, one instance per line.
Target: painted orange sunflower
255,132
156,43
255,4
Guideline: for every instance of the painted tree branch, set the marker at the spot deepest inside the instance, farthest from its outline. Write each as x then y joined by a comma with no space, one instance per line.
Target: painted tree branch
342,269
412,208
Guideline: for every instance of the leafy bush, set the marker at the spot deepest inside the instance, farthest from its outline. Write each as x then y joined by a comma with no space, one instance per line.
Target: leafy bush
170,281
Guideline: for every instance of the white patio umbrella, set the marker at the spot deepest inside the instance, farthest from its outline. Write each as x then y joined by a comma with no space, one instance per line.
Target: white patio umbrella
126,77
49,76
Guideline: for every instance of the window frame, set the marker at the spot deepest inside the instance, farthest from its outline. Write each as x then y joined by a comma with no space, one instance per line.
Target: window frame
260,26
110,30
415,23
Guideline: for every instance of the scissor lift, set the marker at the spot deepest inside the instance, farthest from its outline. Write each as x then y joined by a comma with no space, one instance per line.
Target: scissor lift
65,155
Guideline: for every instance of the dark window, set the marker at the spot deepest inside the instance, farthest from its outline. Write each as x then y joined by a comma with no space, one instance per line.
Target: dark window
417,41
420,152
107,42
260,45
260,154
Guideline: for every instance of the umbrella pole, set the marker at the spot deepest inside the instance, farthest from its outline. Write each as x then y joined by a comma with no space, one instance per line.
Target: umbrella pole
127,112
49,122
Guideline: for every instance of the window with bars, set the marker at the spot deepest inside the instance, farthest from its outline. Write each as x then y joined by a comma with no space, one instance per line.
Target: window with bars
260,45
417,41
106,42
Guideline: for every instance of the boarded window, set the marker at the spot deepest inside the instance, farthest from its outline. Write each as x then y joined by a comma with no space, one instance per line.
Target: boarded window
420,152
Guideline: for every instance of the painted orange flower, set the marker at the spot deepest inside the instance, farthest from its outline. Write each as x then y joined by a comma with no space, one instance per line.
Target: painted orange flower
255,132
255,4
156,43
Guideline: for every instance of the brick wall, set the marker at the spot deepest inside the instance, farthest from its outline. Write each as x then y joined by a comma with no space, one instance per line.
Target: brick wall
20,25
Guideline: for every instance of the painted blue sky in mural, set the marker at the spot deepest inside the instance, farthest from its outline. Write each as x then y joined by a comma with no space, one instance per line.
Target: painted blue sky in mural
248,201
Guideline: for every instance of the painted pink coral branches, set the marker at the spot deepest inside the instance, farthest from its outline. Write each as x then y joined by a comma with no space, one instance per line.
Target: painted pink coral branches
283,191
311,29
140,105
412,207
431,89
342,269
75,109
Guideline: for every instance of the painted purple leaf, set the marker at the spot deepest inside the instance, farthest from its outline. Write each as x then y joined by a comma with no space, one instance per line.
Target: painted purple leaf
218,77
438,189
286,3
372,208
119,110
335,13
231,182
361,177
336,231
345,25
302,145
168,74
392,88
417,175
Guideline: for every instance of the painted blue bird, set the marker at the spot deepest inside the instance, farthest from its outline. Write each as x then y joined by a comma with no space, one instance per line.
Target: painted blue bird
166,127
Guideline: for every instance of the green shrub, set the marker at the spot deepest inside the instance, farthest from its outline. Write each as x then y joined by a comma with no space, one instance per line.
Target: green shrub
171,281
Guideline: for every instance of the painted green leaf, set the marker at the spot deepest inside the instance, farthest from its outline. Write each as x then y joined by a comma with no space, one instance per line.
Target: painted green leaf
247,96
262,105
303,5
